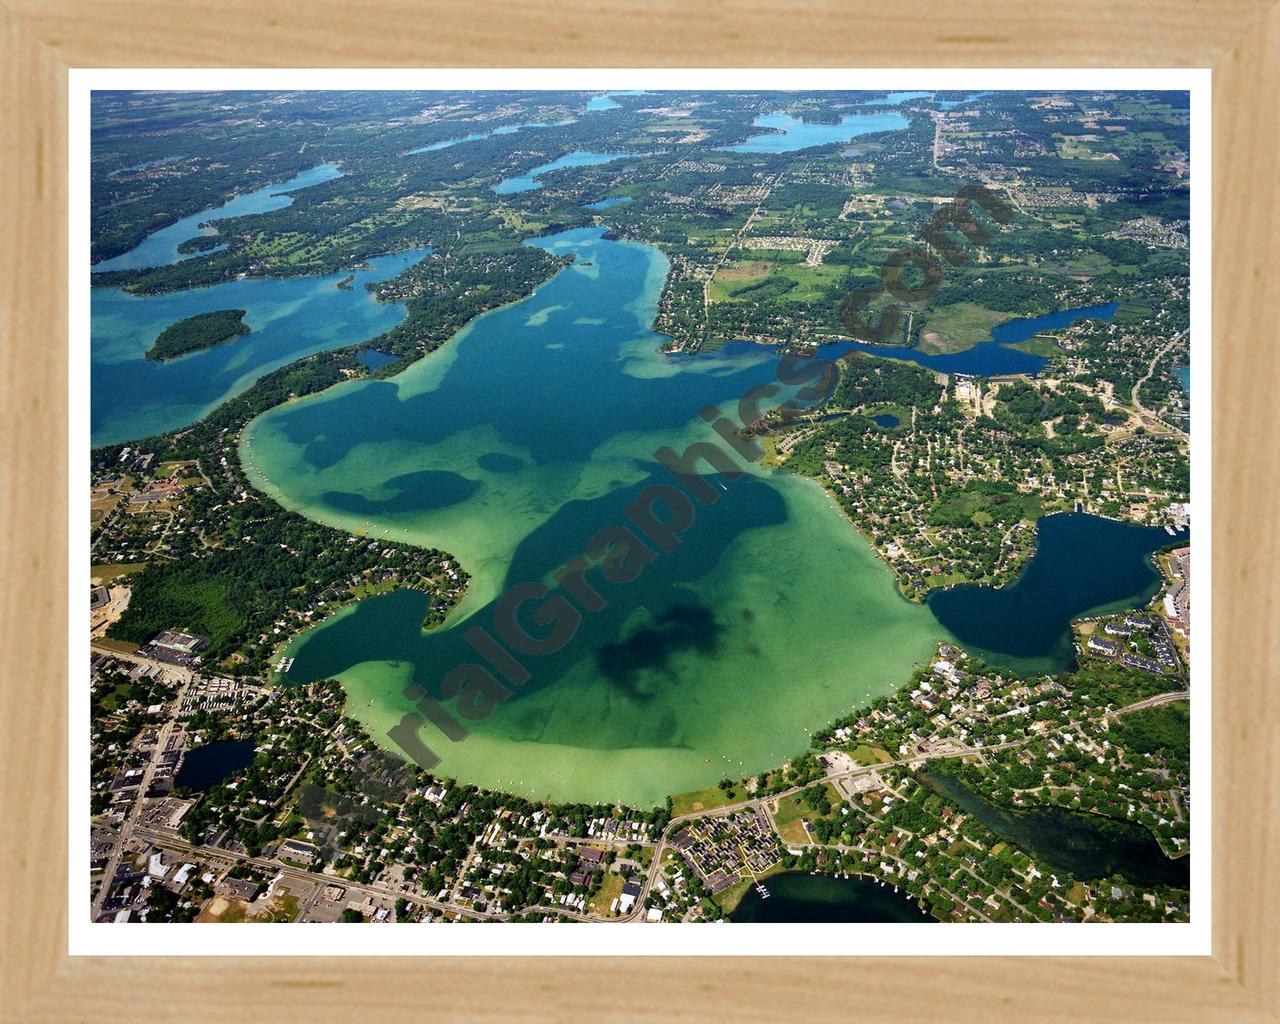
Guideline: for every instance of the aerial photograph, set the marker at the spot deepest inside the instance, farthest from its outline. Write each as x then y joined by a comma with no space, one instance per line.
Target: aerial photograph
637,506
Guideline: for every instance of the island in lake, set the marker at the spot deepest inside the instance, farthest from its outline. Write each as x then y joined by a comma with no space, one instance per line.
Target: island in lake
197,333
599,528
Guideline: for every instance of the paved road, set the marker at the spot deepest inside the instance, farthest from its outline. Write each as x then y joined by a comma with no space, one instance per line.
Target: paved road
135,811
1143,411
170,840
758,802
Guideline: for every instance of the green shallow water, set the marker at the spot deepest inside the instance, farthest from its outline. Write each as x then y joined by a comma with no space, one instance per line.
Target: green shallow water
510,447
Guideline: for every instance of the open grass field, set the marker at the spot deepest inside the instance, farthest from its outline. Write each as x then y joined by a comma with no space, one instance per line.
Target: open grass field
1131,312
609,891
102,505
1083,147
122,646
957,327
1040,345
932,580
789,278
791,809
223,910
704,800
282,908
1082,265
744,270
864,754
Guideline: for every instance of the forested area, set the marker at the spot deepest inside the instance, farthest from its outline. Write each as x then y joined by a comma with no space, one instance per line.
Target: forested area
195,333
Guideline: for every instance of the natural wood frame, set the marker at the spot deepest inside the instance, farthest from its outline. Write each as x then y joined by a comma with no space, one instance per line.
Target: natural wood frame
41,39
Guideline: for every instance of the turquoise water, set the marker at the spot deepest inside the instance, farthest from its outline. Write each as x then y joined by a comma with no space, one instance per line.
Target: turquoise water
1082,564
993,358
136,397
529,180
605,101
160,248
604,204
1183,373
797,896
506,129
511,447
792,133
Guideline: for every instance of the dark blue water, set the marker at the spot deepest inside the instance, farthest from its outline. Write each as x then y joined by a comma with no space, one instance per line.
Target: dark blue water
1082,564
1088,846
799,897
160,248
204,767
993,358
372,358
885,420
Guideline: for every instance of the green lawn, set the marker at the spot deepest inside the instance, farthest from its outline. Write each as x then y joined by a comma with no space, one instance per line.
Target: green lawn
111,571
705,800
865,754
792,808
123,646
610,889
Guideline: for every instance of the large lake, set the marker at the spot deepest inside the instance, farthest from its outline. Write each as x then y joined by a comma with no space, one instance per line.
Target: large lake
160,248
510,447
532,429
134,397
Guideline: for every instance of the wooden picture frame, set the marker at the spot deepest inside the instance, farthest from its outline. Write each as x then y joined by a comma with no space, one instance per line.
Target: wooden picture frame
42,39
